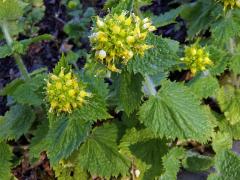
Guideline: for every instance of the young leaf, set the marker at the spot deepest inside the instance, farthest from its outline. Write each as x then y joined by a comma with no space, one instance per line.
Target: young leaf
171,163
195,162
16,122
128,89
99,154
157,59
227,164
5,157
175,113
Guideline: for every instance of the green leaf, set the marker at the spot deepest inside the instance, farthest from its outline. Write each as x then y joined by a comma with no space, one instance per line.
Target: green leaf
222,141
11,87
16,122
66,134
157,59
30,92
219,58
62,63
117,6
204,87
69,171
129,93
99,154
176,113
226,27
10,10
227,164
5,157
235,64
229,101
5,51
171,163
167,18
195,162
199,16
233,130
145,151
38,143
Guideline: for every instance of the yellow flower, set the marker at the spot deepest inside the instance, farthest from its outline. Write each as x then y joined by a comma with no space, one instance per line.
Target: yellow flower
196,58
64,93
230,3
117,38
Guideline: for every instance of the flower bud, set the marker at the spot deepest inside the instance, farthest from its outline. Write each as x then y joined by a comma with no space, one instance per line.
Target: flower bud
102,54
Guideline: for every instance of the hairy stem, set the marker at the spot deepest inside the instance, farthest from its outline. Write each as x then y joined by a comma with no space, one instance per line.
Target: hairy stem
150,86
17,57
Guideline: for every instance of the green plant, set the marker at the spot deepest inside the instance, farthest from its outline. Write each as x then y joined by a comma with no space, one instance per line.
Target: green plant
140,124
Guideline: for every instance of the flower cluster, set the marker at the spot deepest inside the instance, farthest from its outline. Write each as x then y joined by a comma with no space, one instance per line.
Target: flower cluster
116,38
64,92
230,3
196,58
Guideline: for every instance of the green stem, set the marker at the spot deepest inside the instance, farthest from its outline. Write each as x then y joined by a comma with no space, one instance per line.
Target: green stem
150,86
17,57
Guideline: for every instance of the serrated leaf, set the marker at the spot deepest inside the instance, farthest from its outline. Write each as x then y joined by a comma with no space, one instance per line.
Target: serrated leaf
229,101
227,164
171,163
30,92
5,51
62,63
10,10
199,16
151,153
99,154
38,143
145,150
16,122
167,18
233,130
11,87
129,93
5,157
204,87
222,141
235,64
157,59
117,6
69,172
195,162
219,58
226,27
176,113
66,133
